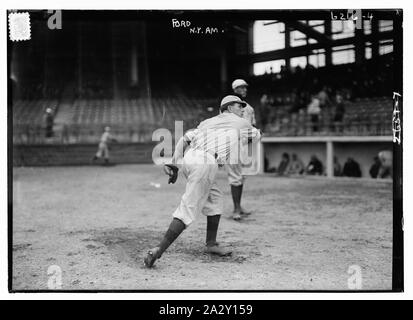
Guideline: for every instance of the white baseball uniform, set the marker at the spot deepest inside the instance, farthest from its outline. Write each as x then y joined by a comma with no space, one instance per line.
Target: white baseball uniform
249,114
211,144
234,170
103,145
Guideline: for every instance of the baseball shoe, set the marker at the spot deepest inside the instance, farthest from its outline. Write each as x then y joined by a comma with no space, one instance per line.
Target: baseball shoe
236,215
151,257
215,249
245,212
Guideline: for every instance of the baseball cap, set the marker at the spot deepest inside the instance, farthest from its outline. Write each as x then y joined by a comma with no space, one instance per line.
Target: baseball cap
227,100
238,83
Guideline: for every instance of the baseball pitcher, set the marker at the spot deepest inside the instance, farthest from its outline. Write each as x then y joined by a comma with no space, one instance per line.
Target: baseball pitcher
213,143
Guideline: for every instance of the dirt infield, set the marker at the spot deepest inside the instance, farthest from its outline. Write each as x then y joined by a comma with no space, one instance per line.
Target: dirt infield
96,223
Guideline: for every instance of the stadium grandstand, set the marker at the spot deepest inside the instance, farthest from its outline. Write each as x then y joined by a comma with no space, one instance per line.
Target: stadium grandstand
137,73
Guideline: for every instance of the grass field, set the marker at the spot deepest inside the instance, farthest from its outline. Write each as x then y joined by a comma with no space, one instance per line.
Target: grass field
96,223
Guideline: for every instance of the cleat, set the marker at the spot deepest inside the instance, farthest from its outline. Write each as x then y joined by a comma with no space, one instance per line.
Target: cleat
236,215
151,257
215,249
245,212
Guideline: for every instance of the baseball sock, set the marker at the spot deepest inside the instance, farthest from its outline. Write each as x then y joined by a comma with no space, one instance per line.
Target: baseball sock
175,229
212,229
236,192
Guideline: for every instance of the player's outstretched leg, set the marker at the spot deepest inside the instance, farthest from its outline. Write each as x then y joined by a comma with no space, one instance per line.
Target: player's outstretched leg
175,229
211,237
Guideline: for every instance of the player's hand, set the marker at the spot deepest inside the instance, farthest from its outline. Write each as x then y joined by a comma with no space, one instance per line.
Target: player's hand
172,171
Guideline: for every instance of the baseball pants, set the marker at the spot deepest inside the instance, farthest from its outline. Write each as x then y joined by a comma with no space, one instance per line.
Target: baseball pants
201,193
103,150
235,177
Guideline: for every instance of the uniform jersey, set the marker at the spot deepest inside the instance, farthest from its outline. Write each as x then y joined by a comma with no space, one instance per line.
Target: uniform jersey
249,114
222,136
105,138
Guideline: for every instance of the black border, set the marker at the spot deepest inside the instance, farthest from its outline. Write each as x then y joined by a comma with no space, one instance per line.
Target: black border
398,257
9,166
317,14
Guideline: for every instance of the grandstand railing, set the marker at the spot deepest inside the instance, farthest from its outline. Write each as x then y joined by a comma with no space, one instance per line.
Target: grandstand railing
72,134
305,127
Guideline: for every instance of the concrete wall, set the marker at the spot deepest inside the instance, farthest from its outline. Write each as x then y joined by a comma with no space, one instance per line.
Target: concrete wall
79,154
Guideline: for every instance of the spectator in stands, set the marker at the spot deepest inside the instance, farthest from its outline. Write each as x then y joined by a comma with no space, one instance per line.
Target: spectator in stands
351,168
49,119
312,81
296,102
264,99
339,110
283,166
296,165
309,67
298,70
264,110
337,167
386,164
375,167
314,110
324,97
314,167
284,71
278,100
305,98
301,122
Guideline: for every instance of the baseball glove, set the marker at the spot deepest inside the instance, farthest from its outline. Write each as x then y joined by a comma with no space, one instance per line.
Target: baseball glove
172,171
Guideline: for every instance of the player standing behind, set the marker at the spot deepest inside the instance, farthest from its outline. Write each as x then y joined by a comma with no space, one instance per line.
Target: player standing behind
214,142
235,178
103,150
